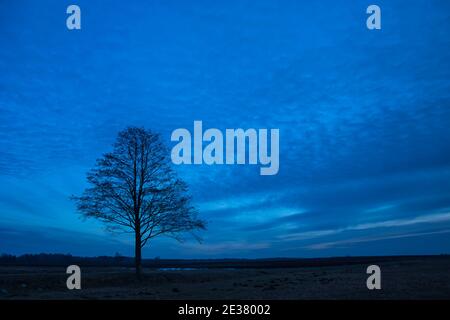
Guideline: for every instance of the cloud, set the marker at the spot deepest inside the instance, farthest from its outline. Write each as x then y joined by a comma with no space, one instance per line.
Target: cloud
328,245
35,239
432,218
239,202
229,247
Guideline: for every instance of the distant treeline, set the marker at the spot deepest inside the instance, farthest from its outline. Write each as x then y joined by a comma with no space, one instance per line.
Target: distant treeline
48,259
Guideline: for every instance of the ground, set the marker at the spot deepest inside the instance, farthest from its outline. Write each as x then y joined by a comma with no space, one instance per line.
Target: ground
413,278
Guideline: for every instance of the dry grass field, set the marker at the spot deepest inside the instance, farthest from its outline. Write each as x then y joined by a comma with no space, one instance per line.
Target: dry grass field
409,278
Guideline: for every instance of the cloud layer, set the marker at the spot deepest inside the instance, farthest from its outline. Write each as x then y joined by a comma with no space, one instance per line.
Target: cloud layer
363,119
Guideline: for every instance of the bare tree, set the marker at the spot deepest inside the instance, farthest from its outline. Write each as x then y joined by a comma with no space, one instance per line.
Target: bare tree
134,189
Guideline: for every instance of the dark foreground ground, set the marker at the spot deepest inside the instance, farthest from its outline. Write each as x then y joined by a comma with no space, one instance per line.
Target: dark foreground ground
402,278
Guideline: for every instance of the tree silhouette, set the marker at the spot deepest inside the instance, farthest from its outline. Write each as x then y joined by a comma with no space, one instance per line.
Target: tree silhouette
134,189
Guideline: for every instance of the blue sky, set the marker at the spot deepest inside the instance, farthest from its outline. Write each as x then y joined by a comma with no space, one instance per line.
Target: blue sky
363,118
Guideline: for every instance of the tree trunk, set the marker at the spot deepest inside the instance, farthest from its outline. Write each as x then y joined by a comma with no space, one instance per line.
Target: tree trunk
137,253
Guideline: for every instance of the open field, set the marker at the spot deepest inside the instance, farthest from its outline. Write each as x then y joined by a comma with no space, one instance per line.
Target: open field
402,278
